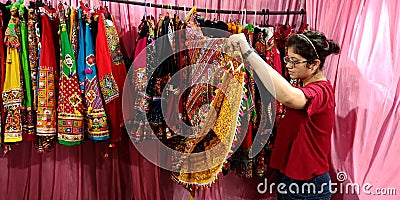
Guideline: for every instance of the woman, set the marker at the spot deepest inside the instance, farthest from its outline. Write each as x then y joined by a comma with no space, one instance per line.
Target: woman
304,135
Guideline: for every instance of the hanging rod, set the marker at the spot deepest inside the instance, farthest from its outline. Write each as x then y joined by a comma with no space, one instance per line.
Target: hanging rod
263,12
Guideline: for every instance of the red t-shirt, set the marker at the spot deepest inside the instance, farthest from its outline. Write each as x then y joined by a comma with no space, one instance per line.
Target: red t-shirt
303,140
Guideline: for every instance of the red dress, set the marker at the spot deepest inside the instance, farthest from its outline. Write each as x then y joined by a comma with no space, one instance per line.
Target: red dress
46,108
111,72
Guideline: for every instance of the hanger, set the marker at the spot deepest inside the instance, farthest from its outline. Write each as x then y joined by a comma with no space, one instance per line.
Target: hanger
151,16
215,15
145,8
107,14
244,17
263,13
31,4
255,18
49,5
287,18
193,10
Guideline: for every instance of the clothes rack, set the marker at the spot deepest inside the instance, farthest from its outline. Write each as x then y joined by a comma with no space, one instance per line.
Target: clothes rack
263,12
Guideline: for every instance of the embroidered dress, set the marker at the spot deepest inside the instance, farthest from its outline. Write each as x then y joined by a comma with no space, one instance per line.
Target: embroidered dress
138,125
70,103
111,72
222,122
216,128
12,89
96,118
46,108
2,71
33,40
73,32
28,127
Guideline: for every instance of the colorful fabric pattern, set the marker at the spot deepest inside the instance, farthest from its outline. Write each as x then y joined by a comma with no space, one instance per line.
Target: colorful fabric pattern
33,56
28,127
96,118
12,89
113,42
70,102
46,108
111,72
222,120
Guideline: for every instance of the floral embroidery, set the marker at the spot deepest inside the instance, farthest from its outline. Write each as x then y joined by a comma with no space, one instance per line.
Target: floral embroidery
113,42
109,88
32,51
90,60
97,125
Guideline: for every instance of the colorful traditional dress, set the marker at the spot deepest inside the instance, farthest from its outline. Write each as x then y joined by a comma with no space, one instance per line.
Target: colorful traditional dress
12,89
70,103
33,41
111,72
28,117
216,128
144,59
46,108
96,118
2,69
73,31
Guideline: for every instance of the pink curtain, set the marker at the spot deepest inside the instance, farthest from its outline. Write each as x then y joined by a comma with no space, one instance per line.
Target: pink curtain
366,140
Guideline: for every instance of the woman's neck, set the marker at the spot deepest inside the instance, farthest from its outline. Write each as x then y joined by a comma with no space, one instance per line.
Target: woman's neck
319,76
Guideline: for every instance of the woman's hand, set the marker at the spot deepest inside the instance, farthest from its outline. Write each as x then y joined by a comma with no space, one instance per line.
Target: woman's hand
238,42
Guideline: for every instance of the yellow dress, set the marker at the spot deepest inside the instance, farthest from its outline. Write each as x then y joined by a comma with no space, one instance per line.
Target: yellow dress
12,90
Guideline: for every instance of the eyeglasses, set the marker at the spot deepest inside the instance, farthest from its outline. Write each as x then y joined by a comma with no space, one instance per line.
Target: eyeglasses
287,60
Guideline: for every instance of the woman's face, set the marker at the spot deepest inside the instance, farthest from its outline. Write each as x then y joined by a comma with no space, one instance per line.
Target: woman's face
297,65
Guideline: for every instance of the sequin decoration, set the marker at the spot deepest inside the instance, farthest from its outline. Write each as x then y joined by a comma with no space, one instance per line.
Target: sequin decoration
109,88
113,42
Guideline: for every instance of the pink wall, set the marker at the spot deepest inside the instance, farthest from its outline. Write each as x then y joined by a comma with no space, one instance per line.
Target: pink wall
366,140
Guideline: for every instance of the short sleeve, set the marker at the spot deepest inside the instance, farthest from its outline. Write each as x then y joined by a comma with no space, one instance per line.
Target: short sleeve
315,94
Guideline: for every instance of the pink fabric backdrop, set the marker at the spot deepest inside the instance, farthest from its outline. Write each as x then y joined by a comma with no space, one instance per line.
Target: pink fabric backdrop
365,146
366,140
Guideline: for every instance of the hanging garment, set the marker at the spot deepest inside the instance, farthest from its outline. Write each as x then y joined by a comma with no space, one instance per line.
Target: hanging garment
12,89
73,31
70,103
46,108
217,127
33,40
73,37
28,115
239,162
112,73
96,118
2,71
144,59
223,121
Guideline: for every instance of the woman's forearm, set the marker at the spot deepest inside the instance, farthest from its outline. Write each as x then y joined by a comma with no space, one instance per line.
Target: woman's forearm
276,84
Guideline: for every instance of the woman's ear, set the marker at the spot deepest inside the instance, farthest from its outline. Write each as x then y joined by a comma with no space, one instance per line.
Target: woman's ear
315,65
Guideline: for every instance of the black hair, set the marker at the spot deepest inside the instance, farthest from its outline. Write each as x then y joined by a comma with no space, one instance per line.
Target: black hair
323,46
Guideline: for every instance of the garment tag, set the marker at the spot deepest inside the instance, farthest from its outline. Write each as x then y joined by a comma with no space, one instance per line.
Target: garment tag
109,22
